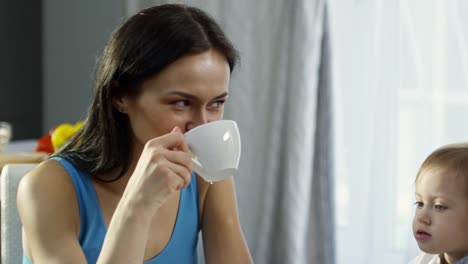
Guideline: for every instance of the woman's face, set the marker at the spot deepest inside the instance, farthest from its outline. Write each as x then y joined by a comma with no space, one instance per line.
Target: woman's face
188,93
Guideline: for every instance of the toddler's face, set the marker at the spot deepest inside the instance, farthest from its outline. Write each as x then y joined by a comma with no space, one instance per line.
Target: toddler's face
440,224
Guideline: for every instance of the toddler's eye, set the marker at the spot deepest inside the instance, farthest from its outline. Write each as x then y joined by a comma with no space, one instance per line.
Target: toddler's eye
440,207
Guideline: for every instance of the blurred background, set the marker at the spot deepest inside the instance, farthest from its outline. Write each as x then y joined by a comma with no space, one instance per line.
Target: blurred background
338,102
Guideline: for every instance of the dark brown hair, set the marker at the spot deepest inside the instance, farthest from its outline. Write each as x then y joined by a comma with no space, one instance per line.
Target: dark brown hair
139,49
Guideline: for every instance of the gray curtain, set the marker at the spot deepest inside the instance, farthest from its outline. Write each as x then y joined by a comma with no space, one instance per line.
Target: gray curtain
280,97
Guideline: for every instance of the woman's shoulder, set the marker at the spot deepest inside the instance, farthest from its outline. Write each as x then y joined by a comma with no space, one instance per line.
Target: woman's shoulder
48,181
47,174
425,258
47,205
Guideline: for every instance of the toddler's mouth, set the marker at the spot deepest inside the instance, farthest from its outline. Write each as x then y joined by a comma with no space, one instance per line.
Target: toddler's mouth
422,235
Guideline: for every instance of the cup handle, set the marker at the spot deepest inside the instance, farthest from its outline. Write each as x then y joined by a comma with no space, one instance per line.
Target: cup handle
197,163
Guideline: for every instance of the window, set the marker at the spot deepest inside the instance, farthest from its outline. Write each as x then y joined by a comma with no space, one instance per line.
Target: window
401,90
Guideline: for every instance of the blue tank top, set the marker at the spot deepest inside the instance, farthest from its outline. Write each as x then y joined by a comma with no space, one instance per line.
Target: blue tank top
182,246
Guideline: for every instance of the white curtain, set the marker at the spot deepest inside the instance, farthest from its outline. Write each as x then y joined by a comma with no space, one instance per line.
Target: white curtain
280,98
400,70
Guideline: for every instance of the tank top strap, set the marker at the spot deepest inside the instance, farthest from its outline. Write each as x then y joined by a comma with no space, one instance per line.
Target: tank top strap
92,226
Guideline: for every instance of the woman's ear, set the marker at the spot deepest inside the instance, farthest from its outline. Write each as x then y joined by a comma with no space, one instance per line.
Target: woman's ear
119,103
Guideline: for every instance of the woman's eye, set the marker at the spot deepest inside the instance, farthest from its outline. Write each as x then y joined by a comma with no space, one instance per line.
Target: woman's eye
440,207
418,204
181,103
217,104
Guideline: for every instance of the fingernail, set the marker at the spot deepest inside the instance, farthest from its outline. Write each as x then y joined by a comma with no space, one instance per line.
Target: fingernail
176,130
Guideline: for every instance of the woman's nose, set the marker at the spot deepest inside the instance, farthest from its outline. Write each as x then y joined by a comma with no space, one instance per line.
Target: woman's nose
198,118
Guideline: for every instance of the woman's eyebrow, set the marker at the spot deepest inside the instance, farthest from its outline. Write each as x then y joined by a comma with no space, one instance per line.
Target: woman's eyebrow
193,97
223,95
183,94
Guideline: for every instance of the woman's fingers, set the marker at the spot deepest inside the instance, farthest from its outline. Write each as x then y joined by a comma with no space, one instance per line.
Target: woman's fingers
179,162
183,146
180,158
173,140
175,176
183,173
168,159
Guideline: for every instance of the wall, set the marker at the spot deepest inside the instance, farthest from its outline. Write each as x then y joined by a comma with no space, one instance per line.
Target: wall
75,32
48,51
20,67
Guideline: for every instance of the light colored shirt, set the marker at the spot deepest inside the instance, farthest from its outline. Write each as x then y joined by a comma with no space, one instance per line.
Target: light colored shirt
425,258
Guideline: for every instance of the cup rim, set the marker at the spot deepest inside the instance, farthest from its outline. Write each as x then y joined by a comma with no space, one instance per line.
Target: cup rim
210,124
199,131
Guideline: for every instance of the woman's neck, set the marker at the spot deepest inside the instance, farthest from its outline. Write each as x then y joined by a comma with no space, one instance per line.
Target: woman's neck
118,186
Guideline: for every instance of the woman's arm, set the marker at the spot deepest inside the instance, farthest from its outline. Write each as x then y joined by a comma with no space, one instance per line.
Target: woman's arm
48,210
223,240
163,168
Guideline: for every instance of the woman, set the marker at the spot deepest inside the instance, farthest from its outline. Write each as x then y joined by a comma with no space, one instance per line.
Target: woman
123,190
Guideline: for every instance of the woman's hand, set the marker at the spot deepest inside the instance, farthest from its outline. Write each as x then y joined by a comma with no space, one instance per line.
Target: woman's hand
164,167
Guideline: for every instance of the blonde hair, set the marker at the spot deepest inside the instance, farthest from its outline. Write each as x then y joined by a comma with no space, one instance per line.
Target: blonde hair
451,158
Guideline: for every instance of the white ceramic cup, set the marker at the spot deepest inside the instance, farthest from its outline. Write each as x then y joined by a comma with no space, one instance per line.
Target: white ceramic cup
216,149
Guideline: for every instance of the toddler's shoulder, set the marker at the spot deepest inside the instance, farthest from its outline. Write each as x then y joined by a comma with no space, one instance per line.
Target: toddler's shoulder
425,258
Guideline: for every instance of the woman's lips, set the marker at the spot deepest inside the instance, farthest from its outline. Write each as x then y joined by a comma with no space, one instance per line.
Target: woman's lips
422,235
